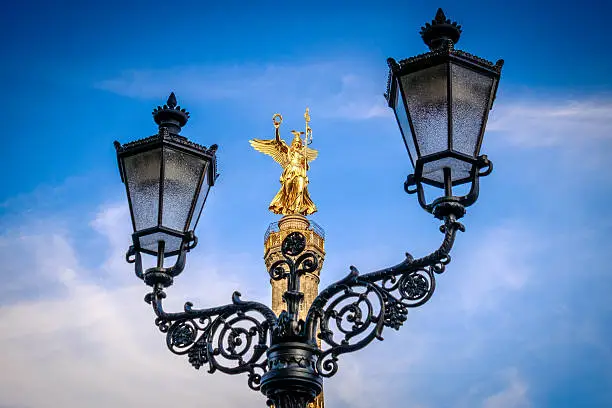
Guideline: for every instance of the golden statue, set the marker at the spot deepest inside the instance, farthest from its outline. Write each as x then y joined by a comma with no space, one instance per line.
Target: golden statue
293,197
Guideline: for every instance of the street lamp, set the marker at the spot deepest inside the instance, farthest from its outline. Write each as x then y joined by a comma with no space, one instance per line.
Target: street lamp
167,179
441,101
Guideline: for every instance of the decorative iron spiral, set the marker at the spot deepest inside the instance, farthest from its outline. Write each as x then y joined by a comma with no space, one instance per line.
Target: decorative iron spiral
232,339
354,311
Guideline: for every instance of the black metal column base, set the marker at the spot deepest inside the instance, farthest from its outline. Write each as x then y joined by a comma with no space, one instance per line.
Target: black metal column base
291,381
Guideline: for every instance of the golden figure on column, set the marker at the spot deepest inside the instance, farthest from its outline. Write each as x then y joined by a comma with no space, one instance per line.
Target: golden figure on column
293,196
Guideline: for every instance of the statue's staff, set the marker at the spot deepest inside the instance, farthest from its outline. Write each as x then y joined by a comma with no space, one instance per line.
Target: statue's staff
307,135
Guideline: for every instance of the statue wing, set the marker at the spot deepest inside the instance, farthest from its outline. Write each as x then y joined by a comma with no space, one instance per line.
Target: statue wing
277,150
311,154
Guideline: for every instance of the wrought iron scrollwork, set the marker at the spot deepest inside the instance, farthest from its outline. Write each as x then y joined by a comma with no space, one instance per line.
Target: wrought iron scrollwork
242,336
247,337
353,312
232,338
294,264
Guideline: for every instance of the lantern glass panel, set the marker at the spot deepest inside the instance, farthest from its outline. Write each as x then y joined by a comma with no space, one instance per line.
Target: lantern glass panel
201,200
150,242
403,121
434,170
182,172
471,92
426,95
142,172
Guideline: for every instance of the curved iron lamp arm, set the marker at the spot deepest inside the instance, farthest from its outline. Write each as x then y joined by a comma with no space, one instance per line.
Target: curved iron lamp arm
232,339
360,306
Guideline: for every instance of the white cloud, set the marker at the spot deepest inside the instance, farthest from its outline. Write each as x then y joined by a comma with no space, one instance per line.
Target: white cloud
553,122
499,262
113,222
333,89
33,263
348,387
94,345
514,395
97,348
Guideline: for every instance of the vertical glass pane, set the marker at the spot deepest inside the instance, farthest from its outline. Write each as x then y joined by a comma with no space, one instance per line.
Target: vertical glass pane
471,93
425,92
142,173
201,200
402,120
182,173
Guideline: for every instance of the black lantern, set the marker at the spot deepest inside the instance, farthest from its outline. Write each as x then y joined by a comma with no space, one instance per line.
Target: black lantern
441,101
167,179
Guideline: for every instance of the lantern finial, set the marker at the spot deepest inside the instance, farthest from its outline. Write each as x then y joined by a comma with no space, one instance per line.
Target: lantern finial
440,32
171,116
171,101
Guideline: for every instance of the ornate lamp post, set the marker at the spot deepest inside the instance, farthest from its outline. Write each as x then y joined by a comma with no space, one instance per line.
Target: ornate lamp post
441,100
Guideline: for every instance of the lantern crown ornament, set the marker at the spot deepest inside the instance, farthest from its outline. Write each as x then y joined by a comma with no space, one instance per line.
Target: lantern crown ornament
440,31
441,100
167,180
171,116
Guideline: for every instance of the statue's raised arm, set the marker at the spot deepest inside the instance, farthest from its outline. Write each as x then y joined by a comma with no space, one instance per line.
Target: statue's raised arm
276,148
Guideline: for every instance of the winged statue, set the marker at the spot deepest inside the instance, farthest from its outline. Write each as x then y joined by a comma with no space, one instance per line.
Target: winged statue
293,196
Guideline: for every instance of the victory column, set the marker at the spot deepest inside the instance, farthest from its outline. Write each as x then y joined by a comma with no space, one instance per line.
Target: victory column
294,203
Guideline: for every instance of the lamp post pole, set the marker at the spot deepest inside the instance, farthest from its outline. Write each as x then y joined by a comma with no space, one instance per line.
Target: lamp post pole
441,100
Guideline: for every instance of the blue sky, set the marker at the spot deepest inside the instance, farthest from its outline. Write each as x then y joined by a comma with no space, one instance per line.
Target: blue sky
522,316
